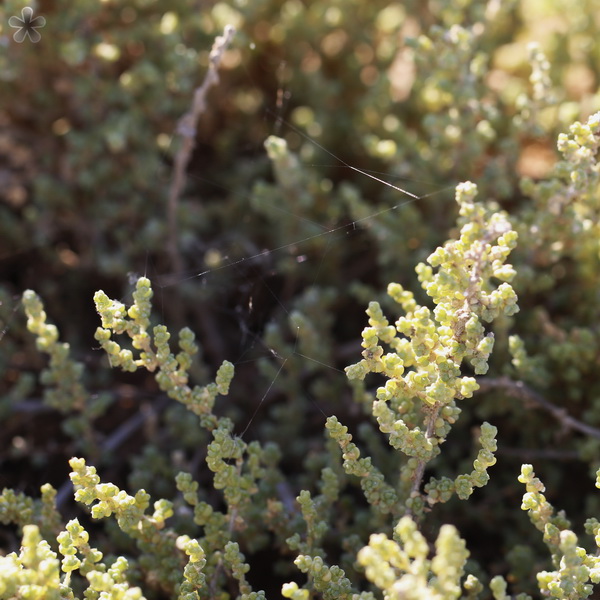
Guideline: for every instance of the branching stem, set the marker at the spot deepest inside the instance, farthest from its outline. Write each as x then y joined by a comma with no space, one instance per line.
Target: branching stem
431,418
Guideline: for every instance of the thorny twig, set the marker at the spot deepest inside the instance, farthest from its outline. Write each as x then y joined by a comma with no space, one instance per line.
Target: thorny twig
521,391
187,129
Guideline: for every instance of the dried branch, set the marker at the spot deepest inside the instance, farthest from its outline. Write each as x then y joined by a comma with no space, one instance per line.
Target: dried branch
521,391
531,454
116,439
187,129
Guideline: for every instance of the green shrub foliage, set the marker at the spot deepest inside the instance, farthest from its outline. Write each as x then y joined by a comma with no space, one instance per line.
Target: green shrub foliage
213,176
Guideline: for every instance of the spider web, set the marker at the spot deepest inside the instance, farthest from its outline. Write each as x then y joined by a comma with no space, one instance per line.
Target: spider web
246,286
245,310
257,271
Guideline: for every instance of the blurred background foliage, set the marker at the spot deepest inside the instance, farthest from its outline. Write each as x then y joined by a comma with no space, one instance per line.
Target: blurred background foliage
424,95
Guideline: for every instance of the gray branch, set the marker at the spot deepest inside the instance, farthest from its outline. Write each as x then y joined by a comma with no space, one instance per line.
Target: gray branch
521,391
187,129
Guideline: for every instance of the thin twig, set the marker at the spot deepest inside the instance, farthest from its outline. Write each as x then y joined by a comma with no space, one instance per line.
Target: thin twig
529,454
116,439
186,128
521,391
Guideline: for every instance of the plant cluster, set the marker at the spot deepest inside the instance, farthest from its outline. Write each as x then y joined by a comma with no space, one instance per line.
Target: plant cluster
219,435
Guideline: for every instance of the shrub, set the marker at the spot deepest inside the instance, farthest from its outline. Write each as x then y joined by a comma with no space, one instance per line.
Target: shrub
227,447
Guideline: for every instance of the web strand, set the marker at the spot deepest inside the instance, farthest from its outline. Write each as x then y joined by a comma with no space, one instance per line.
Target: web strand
326,231
252,338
